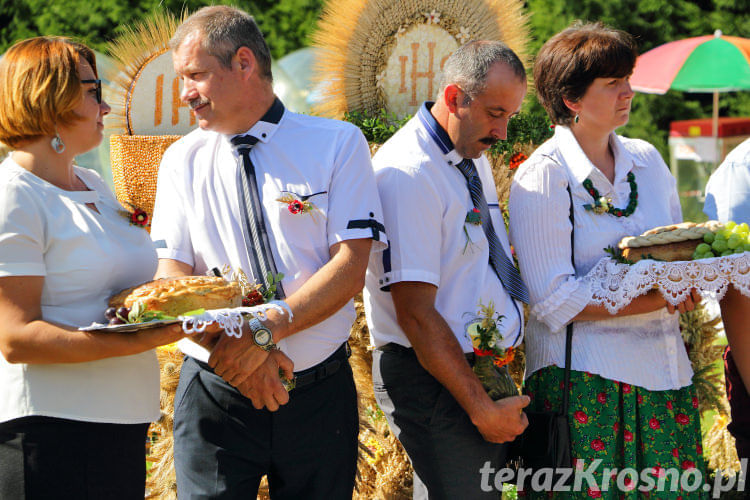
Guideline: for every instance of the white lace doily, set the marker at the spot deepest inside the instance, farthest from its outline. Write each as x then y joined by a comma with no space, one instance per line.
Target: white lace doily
615,285
231,319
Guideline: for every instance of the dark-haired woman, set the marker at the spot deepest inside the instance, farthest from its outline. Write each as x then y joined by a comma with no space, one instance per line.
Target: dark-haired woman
632,403
74,406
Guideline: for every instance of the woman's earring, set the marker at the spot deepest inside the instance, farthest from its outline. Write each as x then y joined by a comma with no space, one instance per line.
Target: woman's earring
575,120
57,144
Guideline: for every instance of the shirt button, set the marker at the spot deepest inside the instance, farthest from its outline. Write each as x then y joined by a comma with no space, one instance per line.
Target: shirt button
263,135
450,162
381,282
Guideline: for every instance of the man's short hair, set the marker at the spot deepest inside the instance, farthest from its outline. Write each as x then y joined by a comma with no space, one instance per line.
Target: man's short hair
40,87
570,61
468,66
225,29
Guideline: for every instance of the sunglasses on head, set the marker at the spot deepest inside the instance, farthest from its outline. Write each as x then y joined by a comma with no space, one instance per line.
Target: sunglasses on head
98,84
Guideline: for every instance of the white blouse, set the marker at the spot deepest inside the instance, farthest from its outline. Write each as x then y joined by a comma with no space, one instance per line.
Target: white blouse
645,349
84,257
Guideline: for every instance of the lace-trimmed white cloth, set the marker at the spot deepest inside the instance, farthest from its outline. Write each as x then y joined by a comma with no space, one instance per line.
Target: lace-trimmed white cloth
232,319
615,285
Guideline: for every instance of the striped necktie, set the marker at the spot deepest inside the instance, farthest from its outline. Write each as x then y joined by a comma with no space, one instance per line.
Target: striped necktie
256,235
500,262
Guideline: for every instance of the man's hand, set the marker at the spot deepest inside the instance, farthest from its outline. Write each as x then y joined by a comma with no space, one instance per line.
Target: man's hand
504,420
208,337
235,359
264,387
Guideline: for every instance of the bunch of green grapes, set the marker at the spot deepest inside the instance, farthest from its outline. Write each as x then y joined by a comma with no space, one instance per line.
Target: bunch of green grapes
730,239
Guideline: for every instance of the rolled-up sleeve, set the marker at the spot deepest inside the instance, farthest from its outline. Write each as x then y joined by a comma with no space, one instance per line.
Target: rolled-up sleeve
540,231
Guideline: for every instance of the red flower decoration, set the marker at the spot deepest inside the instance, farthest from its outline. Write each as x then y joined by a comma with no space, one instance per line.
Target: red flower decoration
594,493
626,389
688,464
699,449
616,427
581,417
628,436
482,352
252,299
296,206
139,218
669,405
547,405
675,452
601,397
639,399
682,419
695,402
516,160
597,444
654,423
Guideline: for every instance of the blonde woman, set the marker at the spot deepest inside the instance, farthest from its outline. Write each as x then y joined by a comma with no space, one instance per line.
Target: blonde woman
74,406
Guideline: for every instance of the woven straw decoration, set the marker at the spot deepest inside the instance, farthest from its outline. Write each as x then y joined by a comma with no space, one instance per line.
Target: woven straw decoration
135,165
356,37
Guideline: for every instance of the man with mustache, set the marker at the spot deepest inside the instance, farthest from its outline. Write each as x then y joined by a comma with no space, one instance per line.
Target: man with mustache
447,244
265,190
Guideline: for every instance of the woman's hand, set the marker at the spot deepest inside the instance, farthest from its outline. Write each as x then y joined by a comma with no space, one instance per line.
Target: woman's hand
155,337
686,305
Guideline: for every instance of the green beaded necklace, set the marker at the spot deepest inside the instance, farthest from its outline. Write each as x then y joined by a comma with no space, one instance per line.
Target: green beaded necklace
604,205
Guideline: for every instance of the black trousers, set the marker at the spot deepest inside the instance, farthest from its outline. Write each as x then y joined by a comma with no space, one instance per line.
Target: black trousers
51,458
224,446
445,448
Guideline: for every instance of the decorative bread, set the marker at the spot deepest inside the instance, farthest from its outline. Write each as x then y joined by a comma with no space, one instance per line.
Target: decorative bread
668,243
175,296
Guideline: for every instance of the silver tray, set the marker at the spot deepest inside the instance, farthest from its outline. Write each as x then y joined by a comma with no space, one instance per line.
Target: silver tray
128,327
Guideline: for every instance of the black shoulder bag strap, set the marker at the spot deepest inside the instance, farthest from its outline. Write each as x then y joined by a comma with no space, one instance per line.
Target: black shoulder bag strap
569,328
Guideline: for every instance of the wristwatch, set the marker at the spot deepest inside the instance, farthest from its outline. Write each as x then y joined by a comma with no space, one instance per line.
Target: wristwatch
261,335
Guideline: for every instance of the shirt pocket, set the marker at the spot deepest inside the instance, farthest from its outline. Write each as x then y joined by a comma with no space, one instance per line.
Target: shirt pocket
303,216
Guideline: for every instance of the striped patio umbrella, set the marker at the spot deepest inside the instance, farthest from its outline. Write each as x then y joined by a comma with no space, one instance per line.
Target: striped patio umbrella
710,64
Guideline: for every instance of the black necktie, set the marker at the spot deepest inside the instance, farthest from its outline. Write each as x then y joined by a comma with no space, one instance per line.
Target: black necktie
256,235
502,265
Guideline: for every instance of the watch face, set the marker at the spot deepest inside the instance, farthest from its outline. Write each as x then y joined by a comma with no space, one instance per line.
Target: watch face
262,336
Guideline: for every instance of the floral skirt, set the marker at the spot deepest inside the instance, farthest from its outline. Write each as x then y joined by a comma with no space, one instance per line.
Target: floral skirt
641,436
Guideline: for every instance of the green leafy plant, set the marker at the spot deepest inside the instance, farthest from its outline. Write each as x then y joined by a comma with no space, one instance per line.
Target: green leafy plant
378,127
528,127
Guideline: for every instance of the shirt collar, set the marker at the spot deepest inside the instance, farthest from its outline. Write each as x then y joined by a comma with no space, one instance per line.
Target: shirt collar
580,165
266,127
438,134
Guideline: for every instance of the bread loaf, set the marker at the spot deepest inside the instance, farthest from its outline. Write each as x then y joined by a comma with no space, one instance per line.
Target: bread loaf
175,296
668,243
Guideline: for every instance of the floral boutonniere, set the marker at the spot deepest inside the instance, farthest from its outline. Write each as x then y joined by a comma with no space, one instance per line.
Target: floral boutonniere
491,358
136,216
298,204
474,218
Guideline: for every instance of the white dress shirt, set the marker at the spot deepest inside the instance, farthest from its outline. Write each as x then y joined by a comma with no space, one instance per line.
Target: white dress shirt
645,349
197,217
85,257
425,203
728,188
